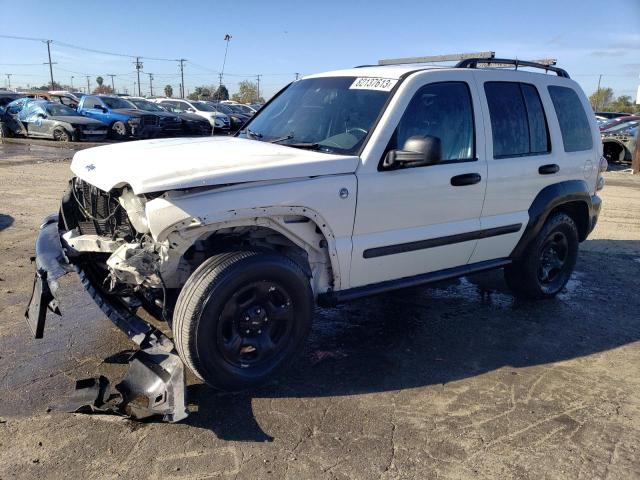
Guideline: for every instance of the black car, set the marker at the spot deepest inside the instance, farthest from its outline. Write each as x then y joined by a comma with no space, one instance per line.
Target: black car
236,119
192,124
170,123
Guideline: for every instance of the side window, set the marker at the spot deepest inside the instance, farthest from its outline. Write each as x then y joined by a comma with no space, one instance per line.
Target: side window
442,110
518,123
92,102
576,133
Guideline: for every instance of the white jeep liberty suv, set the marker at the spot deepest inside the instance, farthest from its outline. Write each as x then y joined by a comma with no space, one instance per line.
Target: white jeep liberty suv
345,184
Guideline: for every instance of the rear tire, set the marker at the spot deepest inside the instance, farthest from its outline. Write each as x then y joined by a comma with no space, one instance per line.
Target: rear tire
547,263
241,317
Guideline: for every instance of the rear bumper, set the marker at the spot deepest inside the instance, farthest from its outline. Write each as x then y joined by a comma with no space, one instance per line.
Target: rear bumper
594,211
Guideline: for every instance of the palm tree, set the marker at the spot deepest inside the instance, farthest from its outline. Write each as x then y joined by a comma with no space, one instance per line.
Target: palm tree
99,81
168,91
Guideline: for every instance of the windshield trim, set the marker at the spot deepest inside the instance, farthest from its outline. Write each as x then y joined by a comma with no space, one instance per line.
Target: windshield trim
374,125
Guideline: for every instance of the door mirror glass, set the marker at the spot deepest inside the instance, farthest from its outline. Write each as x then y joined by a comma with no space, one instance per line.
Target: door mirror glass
417,151
41,115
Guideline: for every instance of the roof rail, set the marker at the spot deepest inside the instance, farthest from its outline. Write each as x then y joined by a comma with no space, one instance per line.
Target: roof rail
546,64
437,58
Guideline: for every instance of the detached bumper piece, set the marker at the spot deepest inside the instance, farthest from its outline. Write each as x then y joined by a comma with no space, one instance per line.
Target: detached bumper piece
154,385
155,382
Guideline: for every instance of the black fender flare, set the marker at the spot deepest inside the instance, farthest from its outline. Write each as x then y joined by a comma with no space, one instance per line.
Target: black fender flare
552,197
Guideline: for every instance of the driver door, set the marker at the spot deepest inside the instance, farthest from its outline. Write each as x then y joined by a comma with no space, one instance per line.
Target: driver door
420,219
36,121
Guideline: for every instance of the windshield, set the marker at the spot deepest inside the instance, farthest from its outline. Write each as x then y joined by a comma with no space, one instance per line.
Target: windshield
146,105
221,107
334,113
59,110
115,102
203,107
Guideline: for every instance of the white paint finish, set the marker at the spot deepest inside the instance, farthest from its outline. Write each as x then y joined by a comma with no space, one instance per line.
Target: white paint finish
499,246
316,198
175,163
415,204
513,183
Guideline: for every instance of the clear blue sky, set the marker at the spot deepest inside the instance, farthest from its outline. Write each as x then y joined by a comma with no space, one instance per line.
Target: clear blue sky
278,38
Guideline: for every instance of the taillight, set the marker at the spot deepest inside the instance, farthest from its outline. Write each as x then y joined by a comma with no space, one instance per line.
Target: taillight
602,167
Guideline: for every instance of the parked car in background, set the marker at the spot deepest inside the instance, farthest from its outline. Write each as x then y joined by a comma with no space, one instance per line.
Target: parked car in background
236,120
256,106
44,119
11,124
241,108
612,114
6,97
192,124
170,123
122,117
219,121
618,144
616,122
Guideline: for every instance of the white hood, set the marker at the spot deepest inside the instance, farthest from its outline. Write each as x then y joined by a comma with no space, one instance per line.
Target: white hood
159,165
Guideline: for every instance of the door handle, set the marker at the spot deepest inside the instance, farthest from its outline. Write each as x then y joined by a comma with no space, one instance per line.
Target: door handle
549,169
465,179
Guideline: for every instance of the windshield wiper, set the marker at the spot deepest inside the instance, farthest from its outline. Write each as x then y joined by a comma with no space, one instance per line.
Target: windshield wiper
281,139
252,134
305,146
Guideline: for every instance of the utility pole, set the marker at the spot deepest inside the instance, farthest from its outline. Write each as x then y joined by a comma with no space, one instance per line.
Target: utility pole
182,60
72,77
134,87
258,77
113,88
9,80
138,65
150,83
599,94
88,85
50,64
297,75
227,38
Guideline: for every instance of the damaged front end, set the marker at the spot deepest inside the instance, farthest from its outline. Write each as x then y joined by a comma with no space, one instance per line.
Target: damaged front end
103,237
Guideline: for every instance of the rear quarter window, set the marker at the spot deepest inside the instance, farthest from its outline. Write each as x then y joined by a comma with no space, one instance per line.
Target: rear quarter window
574,126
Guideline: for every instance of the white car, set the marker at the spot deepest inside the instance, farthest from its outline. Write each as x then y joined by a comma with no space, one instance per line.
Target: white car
346,184
219,121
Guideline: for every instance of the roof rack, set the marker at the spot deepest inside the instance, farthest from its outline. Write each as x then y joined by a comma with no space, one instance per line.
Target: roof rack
546,64
438,58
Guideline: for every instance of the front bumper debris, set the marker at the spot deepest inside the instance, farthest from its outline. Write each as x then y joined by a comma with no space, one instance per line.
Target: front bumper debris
155,382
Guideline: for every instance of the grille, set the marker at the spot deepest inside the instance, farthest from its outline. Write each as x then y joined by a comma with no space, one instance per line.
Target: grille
149,120
99,213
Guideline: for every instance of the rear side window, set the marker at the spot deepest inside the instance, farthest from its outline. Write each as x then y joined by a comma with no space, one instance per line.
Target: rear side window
518,123
576,133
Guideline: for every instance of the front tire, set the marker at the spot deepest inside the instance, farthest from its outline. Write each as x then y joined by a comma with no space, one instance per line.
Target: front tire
241,317
548,262
61,135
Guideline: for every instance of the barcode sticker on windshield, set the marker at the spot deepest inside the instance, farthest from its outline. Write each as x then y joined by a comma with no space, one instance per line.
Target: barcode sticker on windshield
373,83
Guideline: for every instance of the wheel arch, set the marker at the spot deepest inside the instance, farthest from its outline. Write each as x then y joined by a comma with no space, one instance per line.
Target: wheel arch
299,232
571,197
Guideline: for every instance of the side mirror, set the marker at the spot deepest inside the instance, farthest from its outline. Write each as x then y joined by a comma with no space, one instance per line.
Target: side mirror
417,151
41,115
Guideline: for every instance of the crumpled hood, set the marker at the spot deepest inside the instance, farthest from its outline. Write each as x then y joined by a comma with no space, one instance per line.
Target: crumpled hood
175,163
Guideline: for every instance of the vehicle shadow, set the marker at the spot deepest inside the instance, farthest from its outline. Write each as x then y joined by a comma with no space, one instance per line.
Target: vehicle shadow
426,336
5,221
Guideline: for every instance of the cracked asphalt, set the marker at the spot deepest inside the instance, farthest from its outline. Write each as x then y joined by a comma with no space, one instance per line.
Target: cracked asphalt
459,380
